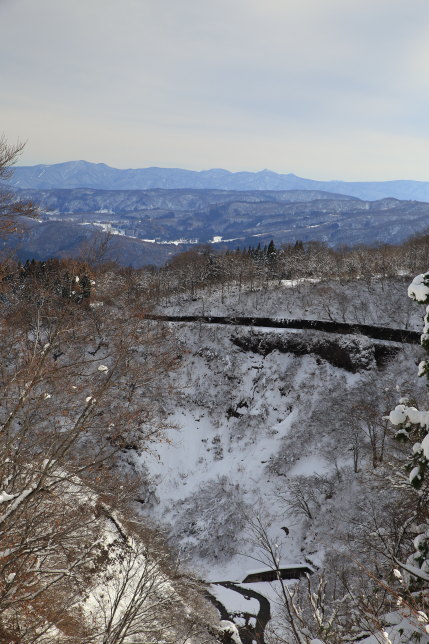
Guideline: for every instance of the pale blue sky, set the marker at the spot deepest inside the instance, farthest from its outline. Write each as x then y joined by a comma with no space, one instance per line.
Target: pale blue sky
321,88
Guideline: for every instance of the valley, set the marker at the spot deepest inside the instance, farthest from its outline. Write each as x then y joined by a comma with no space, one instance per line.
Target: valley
151,226
229,426
214,322
266,438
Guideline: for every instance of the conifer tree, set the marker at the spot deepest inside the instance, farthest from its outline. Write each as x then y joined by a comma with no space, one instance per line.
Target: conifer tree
271,251
413,426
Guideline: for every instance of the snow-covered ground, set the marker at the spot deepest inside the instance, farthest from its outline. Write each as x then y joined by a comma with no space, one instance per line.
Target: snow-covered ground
379,301
243,425
215,472
250,430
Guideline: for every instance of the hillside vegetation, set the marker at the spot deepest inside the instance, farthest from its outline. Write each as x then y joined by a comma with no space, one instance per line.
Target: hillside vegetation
135,450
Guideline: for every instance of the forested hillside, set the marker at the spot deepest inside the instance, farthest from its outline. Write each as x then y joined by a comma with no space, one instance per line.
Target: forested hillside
214,377
170,477
285,456
150,226
244,443
82,385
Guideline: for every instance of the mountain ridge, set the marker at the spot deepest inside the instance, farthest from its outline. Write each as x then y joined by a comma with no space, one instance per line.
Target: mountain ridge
85,174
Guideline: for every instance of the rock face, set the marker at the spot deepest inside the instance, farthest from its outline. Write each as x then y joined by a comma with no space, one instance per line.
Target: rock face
351,353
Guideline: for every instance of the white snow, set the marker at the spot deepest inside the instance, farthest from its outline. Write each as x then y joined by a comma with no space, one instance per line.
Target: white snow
233,600
313,464
4,497
248,424
107,228
419,288
415,473
231,629
173,242
422,368
425,445
231,462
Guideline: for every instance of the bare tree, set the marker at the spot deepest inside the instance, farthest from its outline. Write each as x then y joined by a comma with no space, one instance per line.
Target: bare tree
304,494
11,207
77,391
136,597
336,605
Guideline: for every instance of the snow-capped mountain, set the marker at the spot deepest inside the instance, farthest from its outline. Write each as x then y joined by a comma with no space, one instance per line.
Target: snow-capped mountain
82,174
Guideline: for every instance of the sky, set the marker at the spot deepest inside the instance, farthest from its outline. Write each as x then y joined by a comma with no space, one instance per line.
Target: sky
325,89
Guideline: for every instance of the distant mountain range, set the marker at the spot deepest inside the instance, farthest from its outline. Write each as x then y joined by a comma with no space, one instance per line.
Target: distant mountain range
82,174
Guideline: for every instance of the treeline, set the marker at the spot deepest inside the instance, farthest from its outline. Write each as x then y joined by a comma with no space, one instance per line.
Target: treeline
250,268
204,267
254,268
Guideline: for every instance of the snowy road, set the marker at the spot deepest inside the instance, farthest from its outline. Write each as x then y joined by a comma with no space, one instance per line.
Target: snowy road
342,328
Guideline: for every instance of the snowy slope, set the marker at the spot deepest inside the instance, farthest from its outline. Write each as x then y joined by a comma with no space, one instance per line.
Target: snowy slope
380,301
245,425
249,427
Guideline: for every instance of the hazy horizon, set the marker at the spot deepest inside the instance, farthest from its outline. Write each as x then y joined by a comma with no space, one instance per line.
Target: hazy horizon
332,90
20,165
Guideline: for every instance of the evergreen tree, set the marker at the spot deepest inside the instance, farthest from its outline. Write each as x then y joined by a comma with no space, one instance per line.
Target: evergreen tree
271,251
413,426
